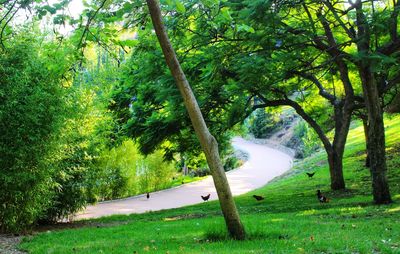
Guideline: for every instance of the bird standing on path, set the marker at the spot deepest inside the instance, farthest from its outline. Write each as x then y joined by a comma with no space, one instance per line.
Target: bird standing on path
310,175
258,198
205,198
322,198
148,195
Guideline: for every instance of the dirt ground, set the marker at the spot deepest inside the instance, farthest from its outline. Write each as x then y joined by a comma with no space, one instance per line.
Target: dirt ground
8,244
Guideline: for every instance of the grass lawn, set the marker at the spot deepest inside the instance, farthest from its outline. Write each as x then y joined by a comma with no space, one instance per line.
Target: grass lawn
289,220
186,179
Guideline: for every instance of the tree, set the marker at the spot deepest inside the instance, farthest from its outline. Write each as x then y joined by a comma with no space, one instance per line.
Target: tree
287,53
239,71
347,39
374,50
301,64
207,141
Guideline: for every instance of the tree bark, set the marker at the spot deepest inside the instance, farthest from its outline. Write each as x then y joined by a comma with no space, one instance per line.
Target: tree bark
376,137
365,125
207,141
335,160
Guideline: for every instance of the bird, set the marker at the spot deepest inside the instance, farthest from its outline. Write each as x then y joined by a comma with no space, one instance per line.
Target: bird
148,195
205,198
310,175
258,198
322,198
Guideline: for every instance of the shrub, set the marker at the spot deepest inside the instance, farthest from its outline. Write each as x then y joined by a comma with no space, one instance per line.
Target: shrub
307,140
31,108
262,124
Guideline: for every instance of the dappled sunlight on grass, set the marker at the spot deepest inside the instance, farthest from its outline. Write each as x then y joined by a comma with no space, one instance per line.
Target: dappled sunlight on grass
308,212
356,209
278,219
393,210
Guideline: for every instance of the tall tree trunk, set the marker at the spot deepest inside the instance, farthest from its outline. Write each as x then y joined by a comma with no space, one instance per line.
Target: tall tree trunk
365,125
342,116
376,137
207,141
335,160
376,130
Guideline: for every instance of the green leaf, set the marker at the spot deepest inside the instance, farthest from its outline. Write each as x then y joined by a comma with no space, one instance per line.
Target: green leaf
210,3
245,28
129,43
180,7
50,9
226,14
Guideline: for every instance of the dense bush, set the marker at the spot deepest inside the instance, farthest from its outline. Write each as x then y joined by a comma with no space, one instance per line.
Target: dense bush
123,171
79,146
31,111
231,163
53,129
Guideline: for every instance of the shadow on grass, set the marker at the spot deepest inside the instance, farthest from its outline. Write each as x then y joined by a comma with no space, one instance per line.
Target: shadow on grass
218,233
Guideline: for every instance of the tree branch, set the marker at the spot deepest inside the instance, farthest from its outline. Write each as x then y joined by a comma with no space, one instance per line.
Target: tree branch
300,111
349,32
322,91
393,21
390,47
89,22
5,25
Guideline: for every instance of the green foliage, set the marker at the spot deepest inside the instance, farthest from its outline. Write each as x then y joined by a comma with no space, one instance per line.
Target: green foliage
155,174
86,133
150,108
231,163
79,145
263,124
123,172
31,114
115,171
54,127
310,142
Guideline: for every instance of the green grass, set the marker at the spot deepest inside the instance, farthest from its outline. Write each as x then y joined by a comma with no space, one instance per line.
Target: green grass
186,179
289,220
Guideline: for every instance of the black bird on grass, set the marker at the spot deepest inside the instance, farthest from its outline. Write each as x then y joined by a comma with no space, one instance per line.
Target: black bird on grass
258,198
205,198
322,198
310,175
148,195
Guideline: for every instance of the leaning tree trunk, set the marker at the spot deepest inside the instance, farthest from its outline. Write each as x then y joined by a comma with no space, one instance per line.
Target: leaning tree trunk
376,137
207,141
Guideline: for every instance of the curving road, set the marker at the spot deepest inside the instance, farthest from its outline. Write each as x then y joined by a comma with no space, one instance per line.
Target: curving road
263,165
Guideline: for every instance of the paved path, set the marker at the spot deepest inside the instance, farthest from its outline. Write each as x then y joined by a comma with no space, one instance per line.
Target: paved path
263,165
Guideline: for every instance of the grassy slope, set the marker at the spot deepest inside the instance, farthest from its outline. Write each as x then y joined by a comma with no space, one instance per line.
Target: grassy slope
289,220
